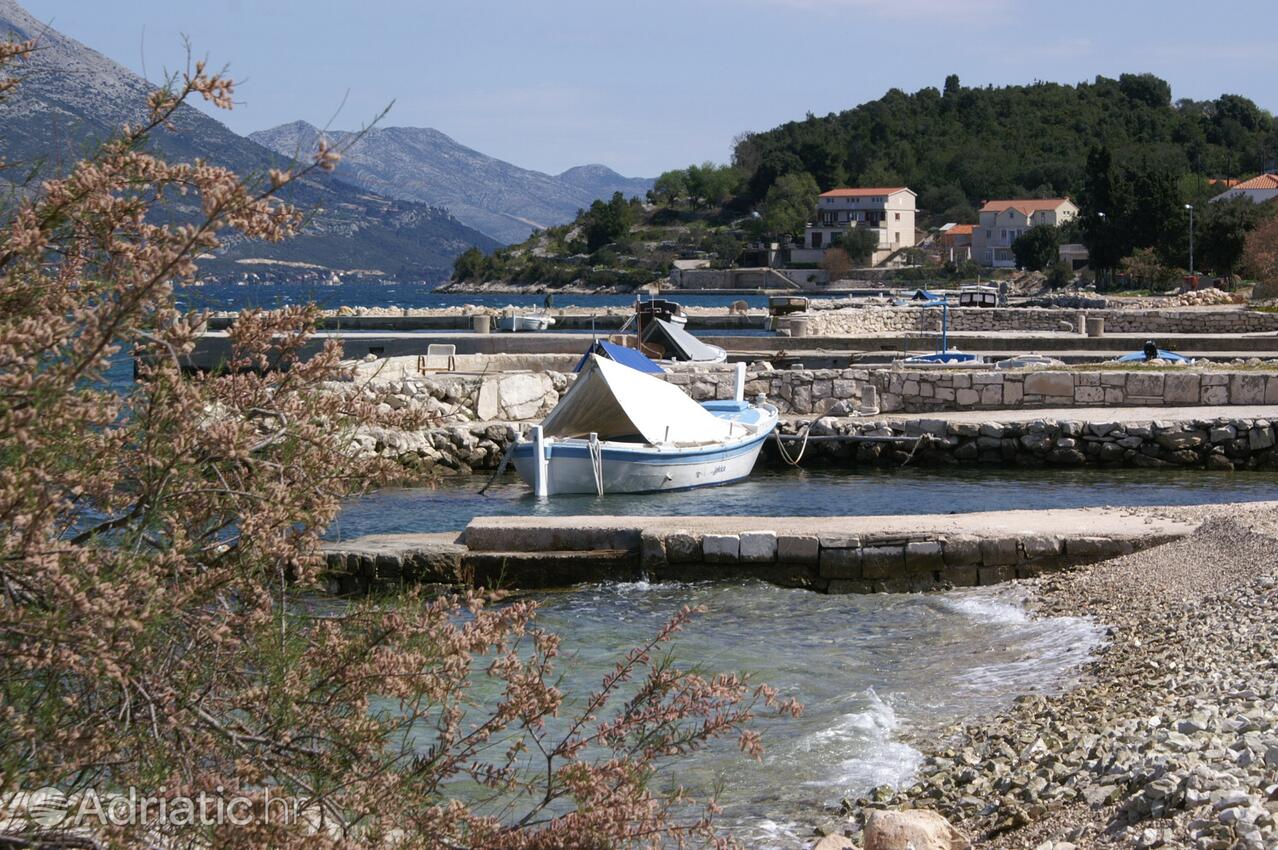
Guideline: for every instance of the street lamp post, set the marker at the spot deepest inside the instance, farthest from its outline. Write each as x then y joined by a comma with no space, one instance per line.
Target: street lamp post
1103,217
1190,207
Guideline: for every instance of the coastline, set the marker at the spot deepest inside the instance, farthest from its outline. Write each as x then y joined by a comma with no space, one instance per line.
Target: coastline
498,287
1169,737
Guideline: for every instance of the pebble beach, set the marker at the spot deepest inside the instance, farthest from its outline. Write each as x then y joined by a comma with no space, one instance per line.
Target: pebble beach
1170,738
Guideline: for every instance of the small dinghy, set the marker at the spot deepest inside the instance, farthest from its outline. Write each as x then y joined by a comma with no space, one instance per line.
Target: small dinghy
620,430
513,322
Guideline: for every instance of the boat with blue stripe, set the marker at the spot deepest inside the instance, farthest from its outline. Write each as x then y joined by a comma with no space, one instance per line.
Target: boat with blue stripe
622,430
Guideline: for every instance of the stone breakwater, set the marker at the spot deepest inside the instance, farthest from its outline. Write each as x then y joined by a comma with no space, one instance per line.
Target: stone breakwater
1170,739
839,391
530,395
883,320
1220,443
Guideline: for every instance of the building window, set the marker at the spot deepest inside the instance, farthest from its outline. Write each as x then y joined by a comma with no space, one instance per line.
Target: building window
816,238
898,216
989,234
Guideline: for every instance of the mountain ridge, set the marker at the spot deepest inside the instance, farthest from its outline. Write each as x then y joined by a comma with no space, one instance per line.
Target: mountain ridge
426,165
71,98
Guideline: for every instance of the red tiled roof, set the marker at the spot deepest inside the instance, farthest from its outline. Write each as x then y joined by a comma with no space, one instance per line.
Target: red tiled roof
1027,205
960,230
1264,181
862,193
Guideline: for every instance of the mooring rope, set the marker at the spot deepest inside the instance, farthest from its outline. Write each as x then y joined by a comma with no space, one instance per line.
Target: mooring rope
785,455
501,467
922,438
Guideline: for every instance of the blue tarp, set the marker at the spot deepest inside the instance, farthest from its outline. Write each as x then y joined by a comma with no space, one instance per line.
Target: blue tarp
926,295
619,354
1139,357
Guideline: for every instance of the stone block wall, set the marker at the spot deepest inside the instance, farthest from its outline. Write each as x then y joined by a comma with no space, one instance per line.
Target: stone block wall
886,320
934,390
840,563
1221,443
839,391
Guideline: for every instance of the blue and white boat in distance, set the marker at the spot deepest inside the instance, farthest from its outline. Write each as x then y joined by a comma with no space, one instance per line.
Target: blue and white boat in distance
619,430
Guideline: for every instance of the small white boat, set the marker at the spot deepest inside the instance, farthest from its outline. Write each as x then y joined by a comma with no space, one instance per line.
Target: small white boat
513,322
619,430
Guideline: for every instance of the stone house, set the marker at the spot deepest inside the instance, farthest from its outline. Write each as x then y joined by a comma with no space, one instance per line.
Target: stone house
889,212
1002,222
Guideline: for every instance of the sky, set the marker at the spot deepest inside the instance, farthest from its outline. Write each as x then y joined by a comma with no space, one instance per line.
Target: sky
647,86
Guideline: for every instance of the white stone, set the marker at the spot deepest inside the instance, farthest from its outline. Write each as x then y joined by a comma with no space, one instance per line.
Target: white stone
721,548
759,546
920,829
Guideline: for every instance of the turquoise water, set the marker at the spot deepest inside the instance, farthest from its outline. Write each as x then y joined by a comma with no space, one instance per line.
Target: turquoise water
875,673
878,674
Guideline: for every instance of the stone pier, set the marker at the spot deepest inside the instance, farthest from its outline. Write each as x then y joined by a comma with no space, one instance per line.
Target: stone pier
827,554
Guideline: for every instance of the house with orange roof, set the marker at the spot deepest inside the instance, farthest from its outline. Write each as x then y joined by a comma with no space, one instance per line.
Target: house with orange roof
887,211
1003,222
1258,190
955,241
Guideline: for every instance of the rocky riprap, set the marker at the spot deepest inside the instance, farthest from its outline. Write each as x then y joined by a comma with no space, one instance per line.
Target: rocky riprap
1171,739
1221,443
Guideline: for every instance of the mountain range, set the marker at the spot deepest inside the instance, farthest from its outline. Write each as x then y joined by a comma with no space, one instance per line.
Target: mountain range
422,164
381,220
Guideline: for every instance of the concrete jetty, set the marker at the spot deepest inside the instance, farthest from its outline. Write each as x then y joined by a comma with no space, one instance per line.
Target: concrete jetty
847,554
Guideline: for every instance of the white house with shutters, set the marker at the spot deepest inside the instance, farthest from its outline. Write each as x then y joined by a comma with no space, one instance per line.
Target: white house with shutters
888,212
1003,222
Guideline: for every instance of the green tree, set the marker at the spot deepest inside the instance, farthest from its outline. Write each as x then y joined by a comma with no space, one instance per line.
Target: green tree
470,265
1222,229
859,243
670,187
1060,275
790,204
606,222
724,246
1037,248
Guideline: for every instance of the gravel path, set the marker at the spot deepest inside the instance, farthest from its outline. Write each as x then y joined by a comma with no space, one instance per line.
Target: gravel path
1171,739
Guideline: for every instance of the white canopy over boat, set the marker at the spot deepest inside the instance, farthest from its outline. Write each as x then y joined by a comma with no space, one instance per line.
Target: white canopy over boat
615,402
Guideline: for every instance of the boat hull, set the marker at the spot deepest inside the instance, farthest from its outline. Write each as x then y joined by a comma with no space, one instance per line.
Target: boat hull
639,468
515,324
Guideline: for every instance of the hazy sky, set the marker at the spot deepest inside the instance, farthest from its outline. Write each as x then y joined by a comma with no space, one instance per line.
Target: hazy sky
646,86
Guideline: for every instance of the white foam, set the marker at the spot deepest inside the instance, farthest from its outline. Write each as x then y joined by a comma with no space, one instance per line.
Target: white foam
986,608
878,759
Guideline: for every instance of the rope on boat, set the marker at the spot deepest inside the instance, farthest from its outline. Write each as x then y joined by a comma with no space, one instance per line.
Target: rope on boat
596,463
501,467
785,455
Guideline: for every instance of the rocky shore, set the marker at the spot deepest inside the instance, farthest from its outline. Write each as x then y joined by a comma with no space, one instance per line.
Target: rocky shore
1170,739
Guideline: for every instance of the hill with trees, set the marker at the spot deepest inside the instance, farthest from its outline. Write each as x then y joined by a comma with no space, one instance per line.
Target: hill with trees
959,146
1130,156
